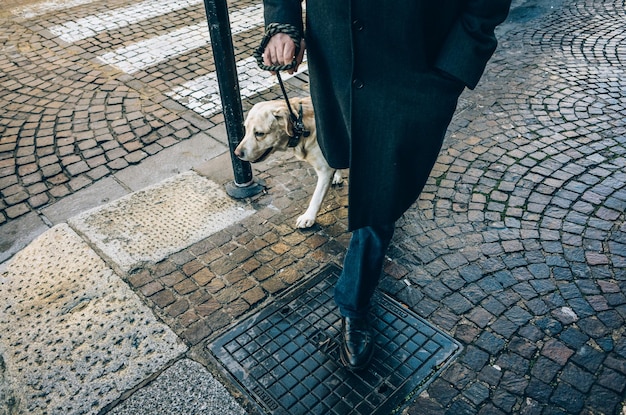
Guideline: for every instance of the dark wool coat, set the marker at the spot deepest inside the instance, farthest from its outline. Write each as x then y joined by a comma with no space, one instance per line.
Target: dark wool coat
385,79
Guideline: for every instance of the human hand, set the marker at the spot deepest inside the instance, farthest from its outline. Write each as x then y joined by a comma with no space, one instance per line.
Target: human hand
281,50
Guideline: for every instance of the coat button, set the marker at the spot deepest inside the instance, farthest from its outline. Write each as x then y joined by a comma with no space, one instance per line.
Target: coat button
357,25
357,83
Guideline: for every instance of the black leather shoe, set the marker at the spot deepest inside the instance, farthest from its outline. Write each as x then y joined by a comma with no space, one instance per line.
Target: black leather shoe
357,346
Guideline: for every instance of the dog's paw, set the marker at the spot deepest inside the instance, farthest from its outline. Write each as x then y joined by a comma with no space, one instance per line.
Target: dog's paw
337,178
305,221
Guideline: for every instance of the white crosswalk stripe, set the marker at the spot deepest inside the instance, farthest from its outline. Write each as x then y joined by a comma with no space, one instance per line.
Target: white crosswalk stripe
143,54
89,26
33,10
200,94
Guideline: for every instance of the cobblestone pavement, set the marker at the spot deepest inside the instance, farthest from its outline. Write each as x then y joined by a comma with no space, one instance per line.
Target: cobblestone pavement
517,247
91,89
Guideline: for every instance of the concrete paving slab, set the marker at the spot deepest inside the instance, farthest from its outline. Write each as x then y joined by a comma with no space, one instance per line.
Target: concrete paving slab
218,169
74,335
174,160
219,133
15,235
153,223
95,195
185,388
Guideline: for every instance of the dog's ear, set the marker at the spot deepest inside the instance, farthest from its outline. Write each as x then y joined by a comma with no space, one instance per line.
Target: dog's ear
282,116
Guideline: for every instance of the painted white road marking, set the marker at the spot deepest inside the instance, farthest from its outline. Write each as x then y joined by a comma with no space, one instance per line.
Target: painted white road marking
146,53
34,10
202,94
80,29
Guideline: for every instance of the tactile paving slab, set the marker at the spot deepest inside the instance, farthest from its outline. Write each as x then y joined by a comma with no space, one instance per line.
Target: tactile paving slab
148,225
73,336
286,357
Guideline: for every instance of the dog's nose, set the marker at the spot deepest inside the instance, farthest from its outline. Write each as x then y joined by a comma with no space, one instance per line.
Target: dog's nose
238,152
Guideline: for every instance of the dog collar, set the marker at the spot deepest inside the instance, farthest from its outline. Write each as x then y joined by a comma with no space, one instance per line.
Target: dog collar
298,128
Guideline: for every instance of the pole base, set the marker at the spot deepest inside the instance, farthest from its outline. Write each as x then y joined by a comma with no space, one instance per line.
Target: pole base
241,192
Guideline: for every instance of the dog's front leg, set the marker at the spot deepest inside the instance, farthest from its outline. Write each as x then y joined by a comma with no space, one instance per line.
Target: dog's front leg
324,178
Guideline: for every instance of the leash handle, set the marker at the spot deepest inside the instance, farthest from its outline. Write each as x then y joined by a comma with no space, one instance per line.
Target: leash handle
271,30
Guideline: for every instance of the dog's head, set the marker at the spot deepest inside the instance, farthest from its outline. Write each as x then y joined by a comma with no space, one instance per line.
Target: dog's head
268,129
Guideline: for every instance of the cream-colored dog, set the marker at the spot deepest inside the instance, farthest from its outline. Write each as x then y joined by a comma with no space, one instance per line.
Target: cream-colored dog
268,129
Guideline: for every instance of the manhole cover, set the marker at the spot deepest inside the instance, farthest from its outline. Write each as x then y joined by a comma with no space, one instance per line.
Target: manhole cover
286,357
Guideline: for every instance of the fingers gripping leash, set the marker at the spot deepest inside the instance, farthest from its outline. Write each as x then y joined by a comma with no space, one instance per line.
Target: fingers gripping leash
271,30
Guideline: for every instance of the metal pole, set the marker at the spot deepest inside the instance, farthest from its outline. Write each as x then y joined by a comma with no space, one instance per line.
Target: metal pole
224,56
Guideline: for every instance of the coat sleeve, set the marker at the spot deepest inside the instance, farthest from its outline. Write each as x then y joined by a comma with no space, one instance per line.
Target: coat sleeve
284,12
471,41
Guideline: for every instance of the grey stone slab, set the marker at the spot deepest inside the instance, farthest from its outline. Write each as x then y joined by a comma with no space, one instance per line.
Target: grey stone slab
219,169
95,195
219,133
18,233
171,161
148,225
185,388
74,337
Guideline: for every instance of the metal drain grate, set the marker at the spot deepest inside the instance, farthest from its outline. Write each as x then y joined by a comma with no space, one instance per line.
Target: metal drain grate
286,358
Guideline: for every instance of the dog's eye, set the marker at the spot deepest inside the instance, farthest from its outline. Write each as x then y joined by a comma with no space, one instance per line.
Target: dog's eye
259,134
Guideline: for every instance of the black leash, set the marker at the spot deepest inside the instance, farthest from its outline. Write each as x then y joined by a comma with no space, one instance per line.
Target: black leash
297,122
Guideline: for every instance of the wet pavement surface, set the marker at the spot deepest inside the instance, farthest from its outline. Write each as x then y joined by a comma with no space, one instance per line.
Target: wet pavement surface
516,248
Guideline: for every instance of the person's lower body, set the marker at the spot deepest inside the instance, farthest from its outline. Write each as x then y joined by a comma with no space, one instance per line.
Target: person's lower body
362,268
